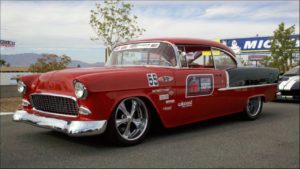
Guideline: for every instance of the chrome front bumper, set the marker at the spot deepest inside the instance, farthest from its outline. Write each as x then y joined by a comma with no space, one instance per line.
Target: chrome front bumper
72,128
279,96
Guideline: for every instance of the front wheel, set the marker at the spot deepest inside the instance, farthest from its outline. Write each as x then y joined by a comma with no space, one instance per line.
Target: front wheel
129,122
253,108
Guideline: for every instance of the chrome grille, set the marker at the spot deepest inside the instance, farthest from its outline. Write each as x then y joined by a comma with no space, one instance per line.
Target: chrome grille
54,104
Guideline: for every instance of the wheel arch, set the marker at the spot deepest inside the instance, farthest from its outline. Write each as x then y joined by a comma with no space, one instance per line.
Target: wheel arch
263,97
153,110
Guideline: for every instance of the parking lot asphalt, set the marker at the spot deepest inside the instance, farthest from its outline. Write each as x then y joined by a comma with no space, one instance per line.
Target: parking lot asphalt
271,141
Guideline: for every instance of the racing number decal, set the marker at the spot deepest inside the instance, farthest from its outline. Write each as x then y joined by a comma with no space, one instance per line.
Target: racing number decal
199,85
152,79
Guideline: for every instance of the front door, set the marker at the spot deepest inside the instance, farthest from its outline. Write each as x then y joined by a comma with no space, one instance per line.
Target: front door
197,93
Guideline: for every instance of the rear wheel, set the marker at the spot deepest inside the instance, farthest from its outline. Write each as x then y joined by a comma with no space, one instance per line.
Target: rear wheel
129,122
253,108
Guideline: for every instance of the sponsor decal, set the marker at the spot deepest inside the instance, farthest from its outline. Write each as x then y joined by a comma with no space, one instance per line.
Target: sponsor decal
165,78
185,104
167,108
152,79
164,97
137,46
170,101
199,85
160,90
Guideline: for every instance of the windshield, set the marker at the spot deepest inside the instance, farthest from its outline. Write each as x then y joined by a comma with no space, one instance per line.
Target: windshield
160,54
294,71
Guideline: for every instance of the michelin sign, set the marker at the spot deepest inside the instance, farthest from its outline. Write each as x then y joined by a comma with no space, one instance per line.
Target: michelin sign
255,44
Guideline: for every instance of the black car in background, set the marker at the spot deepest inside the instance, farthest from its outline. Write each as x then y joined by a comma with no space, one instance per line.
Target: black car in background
289,85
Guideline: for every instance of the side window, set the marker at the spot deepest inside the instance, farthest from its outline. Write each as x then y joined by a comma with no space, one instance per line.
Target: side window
204,60
222,60
197,56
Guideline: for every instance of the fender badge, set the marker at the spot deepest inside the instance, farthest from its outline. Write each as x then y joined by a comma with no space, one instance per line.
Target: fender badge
165,78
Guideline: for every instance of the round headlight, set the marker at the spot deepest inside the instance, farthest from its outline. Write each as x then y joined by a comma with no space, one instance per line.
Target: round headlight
21,87
80,90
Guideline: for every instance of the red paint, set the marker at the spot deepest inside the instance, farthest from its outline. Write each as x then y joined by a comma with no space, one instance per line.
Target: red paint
107,86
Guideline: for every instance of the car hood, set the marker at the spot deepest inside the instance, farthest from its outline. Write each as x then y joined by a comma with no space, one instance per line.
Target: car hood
289,82
77,72
62,80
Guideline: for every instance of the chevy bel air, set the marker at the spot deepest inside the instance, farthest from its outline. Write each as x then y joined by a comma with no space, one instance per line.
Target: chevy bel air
180,81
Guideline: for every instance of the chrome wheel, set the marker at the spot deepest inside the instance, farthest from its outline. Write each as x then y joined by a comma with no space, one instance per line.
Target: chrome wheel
131,118
254,106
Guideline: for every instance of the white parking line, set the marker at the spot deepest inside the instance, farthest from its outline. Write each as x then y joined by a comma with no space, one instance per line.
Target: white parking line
6,113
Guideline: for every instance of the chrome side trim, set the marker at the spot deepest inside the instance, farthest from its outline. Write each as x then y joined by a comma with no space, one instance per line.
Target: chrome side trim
243,87
72,128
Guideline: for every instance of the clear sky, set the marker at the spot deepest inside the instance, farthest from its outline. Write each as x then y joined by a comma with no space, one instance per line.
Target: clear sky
62,27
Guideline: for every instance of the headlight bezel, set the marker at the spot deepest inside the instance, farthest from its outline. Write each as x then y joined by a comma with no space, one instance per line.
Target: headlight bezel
80,90
20,83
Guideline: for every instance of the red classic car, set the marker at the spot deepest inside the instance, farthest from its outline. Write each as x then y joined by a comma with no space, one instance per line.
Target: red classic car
180,81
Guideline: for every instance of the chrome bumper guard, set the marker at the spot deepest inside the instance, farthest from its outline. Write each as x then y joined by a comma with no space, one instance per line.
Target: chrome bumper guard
72,128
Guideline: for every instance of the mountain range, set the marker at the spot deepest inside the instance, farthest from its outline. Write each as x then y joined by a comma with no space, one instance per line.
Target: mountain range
26,59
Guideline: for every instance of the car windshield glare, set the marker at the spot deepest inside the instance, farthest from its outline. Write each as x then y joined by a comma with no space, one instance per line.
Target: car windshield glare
140,54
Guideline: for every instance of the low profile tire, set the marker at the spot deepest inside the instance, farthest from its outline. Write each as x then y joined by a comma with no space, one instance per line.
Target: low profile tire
253,108
129,122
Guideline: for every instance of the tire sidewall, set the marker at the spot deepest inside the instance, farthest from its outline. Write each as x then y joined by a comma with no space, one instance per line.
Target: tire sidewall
248,115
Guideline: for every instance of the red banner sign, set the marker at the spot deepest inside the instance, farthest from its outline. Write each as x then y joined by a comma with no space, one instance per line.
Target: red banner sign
7,43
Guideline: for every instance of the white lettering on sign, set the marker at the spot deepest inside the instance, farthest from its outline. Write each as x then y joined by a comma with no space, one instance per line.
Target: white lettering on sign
260,43
254,44
250,44
297,42
267,44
